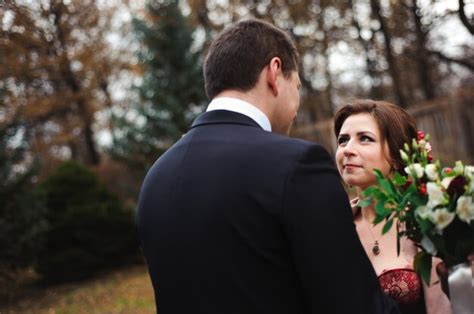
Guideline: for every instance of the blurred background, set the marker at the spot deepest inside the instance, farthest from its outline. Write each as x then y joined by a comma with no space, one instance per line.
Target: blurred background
92,92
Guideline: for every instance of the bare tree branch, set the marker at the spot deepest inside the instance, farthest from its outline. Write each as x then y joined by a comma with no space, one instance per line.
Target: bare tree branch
464,18
389,54
463,62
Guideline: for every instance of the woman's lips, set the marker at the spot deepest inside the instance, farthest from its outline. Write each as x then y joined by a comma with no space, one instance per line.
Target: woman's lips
351,166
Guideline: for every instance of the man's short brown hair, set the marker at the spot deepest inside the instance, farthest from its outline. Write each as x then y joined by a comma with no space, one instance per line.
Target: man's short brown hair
238,55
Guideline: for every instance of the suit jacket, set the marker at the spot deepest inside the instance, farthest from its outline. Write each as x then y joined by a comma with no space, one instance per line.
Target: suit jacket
234,219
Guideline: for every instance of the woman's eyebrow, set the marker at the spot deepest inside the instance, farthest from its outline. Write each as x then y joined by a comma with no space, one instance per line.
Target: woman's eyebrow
365,133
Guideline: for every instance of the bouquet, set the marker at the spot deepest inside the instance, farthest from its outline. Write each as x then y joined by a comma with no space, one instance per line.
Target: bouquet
430,205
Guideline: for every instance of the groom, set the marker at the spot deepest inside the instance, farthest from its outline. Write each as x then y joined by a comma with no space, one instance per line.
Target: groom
236,217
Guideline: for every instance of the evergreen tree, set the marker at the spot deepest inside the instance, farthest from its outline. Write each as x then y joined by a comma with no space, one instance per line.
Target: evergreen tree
22,216
172,91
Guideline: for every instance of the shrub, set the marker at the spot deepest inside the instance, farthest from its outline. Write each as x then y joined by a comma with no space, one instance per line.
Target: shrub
22,220
22,226
88,227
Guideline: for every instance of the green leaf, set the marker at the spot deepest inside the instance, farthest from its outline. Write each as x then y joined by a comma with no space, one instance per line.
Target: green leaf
380,207
378,194
365,202
387,226
370,190
385,185
424,158
422,265
399,179
425,225
396,195
378,219
411,189
406,198
378,174
418,200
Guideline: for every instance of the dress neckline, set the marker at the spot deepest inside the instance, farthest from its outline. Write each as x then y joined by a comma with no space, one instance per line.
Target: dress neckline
386,272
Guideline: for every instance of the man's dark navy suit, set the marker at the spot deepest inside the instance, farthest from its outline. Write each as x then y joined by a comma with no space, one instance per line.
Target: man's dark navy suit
234,219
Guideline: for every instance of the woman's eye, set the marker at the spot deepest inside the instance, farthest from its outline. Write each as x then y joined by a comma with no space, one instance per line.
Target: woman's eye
342,140
365,138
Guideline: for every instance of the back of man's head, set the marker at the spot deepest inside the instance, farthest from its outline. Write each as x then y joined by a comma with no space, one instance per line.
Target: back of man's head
238,55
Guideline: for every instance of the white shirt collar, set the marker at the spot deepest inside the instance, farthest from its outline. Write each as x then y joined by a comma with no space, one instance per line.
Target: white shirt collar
242,107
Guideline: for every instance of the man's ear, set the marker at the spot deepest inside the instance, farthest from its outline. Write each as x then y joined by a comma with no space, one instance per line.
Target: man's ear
274,69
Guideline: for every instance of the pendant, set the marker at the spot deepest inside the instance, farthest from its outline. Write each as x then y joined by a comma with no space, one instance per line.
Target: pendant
376,248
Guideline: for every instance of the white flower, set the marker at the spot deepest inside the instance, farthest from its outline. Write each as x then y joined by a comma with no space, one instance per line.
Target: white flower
446,181
459,168
423,211
435,195
469,171
441,218
432,172
415,170
465,208
428,246
404,156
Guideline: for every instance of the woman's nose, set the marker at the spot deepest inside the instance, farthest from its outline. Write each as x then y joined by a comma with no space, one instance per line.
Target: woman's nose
349,149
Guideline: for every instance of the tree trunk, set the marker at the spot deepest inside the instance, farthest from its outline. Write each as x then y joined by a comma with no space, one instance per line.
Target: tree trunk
328,93
310,106
329,108
71,81
376,91
73,149
394,73
422,58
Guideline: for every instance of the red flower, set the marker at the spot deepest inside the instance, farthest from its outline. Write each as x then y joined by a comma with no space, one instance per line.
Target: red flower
421,135
457,186
422,189
430,158
407,184
447,170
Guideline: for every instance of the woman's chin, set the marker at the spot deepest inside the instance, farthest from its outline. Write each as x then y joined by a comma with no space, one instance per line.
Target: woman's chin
360,186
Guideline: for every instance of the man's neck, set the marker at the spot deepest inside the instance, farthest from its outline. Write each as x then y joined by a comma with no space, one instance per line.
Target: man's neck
240,106
250,97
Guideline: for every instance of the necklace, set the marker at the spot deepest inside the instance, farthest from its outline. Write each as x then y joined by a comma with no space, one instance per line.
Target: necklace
355,205
375,247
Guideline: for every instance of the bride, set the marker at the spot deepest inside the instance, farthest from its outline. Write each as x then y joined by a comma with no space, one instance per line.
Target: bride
370,135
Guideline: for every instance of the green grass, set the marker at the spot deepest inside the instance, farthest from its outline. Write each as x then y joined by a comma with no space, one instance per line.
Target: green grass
127,290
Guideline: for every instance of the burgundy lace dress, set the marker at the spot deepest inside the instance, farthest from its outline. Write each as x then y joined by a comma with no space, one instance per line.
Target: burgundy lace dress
401,284
404,286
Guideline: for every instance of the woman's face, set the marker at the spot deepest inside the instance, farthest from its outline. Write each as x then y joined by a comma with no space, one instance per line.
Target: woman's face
360,150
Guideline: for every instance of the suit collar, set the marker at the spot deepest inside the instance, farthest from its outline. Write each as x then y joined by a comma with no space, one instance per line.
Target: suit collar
240,106
223,117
